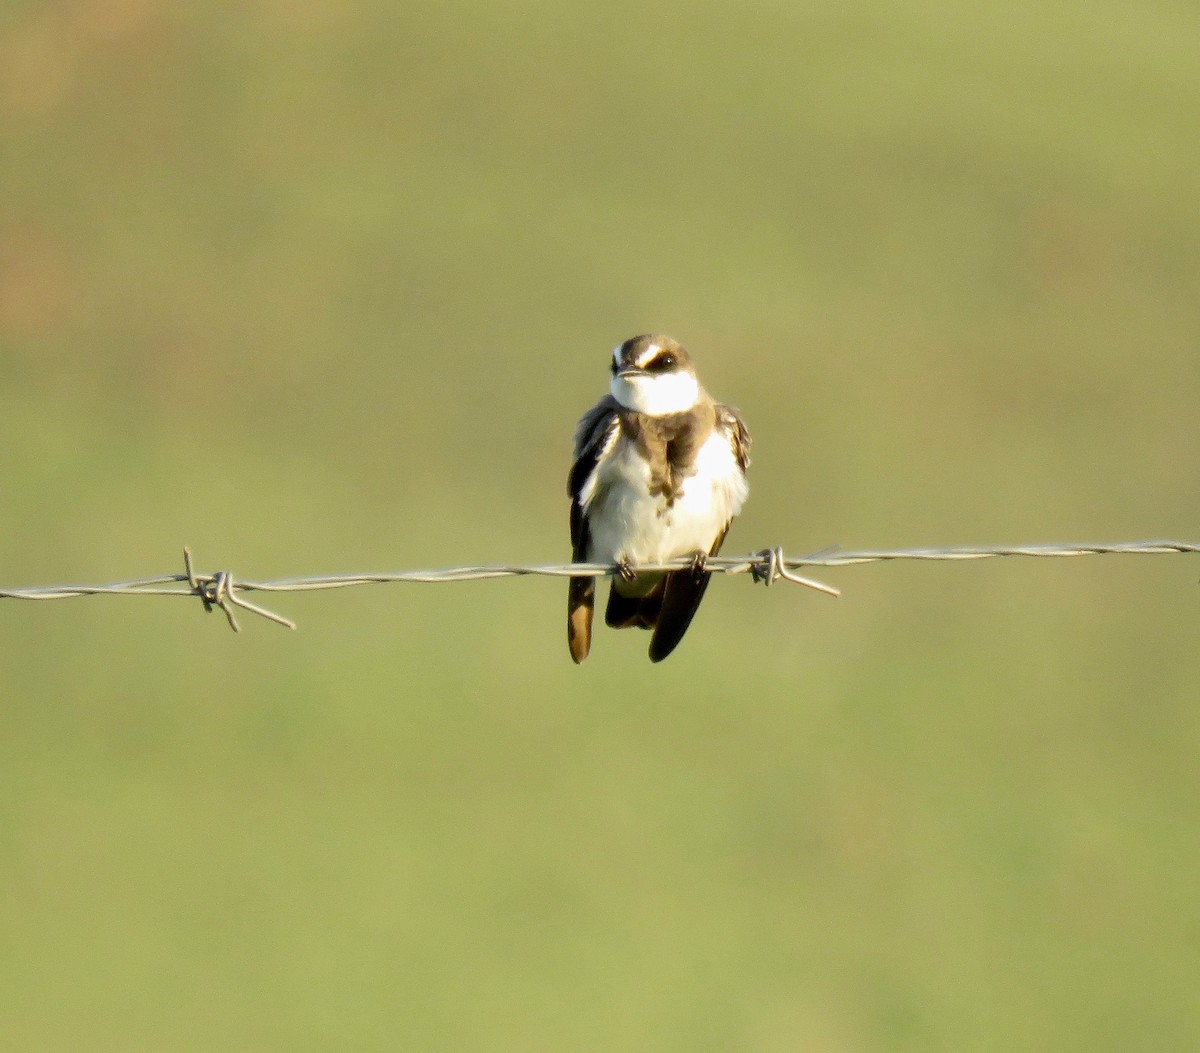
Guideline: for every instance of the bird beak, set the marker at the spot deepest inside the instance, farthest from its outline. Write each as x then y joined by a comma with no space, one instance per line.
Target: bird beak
631,371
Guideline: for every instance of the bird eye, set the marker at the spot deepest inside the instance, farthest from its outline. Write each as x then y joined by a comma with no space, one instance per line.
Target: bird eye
666,361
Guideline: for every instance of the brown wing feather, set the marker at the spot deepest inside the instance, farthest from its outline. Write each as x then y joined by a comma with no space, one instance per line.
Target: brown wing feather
739,436
581,592
581,598
591,437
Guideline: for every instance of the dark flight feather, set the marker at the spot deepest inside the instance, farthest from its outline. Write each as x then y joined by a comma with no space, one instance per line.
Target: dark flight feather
590,441
683,590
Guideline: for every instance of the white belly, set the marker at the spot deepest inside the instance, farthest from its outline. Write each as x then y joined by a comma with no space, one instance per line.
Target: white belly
626,523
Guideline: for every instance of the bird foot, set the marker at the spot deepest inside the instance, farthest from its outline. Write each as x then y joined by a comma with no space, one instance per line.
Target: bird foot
625,570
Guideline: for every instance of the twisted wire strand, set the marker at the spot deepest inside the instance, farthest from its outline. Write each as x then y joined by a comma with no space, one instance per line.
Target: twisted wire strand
222,591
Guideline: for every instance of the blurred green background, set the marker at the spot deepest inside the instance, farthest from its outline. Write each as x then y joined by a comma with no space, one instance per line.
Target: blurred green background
269,271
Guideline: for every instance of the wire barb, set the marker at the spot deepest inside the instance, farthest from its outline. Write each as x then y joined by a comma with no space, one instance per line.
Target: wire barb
768,566
219,590
772,565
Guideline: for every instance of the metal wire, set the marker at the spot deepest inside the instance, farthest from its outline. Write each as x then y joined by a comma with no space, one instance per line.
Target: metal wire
221,590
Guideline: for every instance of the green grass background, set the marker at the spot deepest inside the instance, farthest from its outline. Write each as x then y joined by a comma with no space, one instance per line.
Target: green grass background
268,274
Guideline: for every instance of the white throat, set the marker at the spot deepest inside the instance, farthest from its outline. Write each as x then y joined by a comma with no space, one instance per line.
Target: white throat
657,394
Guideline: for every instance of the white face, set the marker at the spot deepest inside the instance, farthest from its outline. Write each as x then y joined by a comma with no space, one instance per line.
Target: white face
657,394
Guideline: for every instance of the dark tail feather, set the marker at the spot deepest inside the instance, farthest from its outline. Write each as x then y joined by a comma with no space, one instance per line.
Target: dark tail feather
581,598
682,595
624,612
684,589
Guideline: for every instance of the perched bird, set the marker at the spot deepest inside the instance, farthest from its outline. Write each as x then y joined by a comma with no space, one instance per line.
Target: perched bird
659,472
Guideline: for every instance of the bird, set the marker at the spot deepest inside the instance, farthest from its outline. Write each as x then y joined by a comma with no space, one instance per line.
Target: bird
659,472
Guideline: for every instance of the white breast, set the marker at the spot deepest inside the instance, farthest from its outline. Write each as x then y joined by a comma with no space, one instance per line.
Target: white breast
626,523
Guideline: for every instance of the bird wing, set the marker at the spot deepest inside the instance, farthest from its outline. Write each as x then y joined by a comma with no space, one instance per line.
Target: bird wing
593,439
730,422
684,589
682,592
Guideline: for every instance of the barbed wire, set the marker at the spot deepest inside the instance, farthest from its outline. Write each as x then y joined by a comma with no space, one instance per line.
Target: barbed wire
222,591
